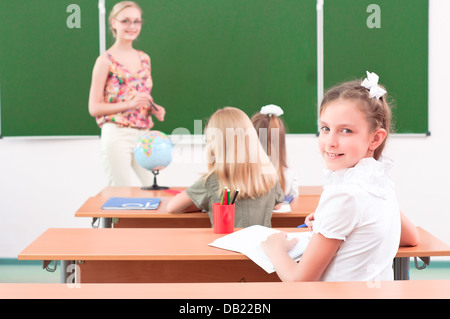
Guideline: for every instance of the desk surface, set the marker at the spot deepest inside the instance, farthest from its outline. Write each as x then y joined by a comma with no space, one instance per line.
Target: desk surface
415,289
301,206
172,244
138,192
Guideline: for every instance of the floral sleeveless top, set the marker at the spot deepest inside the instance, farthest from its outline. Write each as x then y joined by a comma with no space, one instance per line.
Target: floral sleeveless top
122,85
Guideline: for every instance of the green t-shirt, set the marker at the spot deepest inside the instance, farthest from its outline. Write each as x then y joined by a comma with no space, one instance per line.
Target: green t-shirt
247,212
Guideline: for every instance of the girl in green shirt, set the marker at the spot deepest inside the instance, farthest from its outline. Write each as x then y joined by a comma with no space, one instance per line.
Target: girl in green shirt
236,160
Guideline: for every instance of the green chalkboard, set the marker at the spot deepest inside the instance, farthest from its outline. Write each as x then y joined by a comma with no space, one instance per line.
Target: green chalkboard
393,44
205,55
209,54
45,67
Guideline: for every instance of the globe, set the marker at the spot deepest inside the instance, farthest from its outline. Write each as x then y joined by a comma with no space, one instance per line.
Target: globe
153,151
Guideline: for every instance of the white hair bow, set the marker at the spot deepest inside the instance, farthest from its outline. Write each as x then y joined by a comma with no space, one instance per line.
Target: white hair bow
371,83
272,109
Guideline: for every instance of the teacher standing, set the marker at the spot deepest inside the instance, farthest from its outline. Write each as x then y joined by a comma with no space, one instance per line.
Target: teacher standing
120,97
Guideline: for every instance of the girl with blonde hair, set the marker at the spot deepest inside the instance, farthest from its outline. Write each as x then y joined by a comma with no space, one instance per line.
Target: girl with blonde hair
236,160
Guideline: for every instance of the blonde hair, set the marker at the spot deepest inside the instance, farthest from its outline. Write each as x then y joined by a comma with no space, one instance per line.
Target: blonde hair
118,7
272,129
236,156
378,111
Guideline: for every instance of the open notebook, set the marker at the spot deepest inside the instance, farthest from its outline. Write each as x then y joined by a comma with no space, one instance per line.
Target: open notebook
247,241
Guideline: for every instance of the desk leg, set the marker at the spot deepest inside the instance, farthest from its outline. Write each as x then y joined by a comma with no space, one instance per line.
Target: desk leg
106,222
68,272
401,268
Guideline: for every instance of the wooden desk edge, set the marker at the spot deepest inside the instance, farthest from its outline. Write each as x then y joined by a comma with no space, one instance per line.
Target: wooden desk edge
413,289
421,250
438,248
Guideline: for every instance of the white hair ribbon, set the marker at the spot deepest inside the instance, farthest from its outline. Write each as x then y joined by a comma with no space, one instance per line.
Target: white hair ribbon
271,109
371,83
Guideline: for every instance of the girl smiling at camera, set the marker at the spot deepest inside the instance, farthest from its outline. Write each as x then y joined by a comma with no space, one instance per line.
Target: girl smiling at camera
357,226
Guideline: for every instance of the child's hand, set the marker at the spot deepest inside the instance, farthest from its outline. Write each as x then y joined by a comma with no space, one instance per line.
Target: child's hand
309,220
277,242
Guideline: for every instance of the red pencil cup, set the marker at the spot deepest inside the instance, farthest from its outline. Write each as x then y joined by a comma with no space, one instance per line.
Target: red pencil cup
223,218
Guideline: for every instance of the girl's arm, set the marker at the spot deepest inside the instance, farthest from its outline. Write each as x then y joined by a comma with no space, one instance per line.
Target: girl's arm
181,203
409,233
97,106
313,263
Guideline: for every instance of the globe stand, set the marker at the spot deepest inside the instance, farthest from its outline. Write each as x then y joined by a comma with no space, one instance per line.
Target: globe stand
155,185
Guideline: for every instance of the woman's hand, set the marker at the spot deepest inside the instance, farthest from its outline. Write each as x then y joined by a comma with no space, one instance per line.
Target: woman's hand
141,99
159,112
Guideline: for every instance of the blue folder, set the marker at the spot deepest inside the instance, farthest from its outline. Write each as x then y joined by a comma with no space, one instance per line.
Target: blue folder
130,203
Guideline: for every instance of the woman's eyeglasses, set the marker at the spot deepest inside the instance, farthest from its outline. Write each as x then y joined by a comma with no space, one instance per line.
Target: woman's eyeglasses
128,22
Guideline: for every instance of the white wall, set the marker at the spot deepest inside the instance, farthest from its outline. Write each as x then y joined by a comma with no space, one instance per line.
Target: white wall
44,181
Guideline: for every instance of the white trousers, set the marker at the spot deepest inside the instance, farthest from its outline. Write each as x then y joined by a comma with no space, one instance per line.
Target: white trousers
117,155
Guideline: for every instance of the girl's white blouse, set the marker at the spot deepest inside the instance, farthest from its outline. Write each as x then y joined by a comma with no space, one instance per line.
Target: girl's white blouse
359,206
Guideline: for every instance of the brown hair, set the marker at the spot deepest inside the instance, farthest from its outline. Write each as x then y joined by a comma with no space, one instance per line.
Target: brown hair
268,127
378,111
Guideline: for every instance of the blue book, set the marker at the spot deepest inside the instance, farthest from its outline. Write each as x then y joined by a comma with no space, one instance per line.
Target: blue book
130,203
288,198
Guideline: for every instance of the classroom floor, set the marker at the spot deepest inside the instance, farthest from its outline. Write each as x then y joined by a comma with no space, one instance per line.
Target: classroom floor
15,271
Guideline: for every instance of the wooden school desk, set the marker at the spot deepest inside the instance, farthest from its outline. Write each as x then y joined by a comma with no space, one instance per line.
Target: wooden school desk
163,255
301,206
411,289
